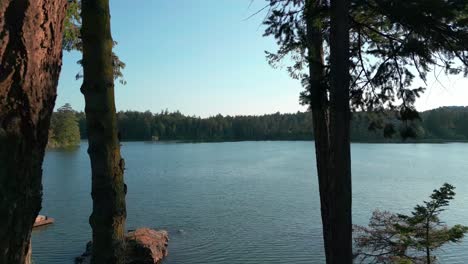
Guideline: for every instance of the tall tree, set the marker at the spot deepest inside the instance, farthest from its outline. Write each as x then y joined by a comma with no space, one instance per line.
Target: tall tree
107,166
390,43
304,35
64,131
399,238
30,63
317,86
339,185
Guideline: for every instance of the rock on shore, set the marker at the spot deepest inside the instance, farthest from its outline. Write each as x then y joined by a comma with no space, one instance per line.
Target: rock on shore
143,246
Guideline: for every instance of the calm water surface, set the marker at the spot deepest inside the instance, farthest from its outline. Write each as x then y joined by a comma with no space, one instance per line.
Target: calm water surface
247,202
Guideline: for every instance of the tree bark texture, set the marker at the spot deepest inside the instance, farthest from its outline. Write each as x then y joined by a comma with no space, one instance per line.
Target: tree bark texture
30,63
108,189
330,113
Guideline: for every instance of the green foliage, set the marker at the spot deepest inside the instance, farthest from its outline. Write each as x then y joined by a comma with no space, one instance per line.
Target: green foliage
445,123
72,39
72,24
391,44
64,131
442,124
175,126
424,230
398,238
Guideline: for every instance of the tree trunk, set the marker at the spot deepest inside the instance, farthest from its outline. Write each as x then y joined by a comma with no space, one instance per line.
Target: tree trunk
428,250
319,109
340,165
107,166
28,258
30,63
331,133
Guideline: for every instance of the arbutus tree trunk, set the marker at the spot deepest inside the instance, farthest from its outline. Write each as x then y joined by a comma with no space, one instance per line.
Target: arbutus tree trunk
30,63
108,189
331,119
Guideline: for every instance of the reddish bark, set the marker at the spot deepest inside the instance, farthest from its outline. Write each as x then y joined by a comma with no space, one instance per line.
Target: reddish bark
30,63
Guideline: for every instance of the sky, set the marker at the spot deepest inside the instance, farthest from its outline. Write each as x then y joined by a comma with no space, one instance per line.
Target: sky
205,57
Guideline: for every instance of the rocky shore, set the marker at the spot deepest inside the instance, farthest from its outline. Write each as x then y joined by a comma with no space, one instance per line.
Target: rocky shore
143,246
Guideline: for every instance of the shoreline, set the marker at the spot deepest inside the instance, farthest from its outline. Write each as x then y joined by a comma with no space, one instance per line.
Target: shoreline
421,141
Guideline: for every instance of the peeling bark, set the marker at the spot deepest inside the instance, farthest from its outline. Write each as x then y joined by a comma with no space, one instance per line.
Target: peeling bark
30,63
107,166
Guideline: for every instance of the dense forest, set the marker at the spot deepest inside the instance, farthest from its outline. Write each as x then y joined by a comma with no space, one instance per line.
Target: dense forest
441,124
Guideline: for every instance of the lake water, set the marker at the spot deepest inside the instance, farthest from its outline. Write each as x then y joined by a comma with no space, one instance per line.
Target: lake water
245,202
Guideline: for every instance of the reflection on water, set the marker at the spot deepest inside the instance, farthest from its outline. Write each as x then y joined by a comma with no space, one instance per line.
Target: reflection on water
245,202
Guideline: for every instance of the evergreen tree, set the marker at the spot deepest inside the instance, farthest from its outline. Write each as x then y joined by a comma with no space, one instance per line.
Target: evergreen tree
387,40
399,238
72,39
450,124
64,128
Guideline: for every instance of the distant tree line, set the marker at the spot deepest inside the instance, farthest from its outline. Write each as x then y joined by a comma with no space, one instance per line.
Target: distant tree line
176,126
441,124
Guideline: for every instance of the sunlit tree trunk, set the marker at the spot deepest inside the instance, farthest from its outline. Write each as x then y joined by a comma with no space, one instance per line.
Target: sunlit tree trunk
331,130
30,63
108,188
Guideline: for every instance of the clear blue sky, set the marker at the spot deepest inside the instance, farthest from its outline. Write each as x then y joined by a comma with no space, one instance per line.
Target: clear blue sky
203,58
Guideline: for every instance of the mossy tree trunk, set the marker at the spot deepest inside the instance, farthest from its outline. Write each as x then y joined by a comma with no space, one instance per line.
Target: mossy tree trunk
107,166
330,111
30,63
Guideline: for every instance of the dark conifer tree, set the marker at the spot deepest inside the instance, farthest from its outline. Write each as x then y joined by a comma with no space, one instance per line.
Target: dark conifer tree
391,43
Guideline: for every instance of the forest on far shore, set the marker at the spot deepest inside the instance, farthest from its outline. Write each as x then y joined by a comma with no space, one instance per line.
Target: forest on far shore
437,125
